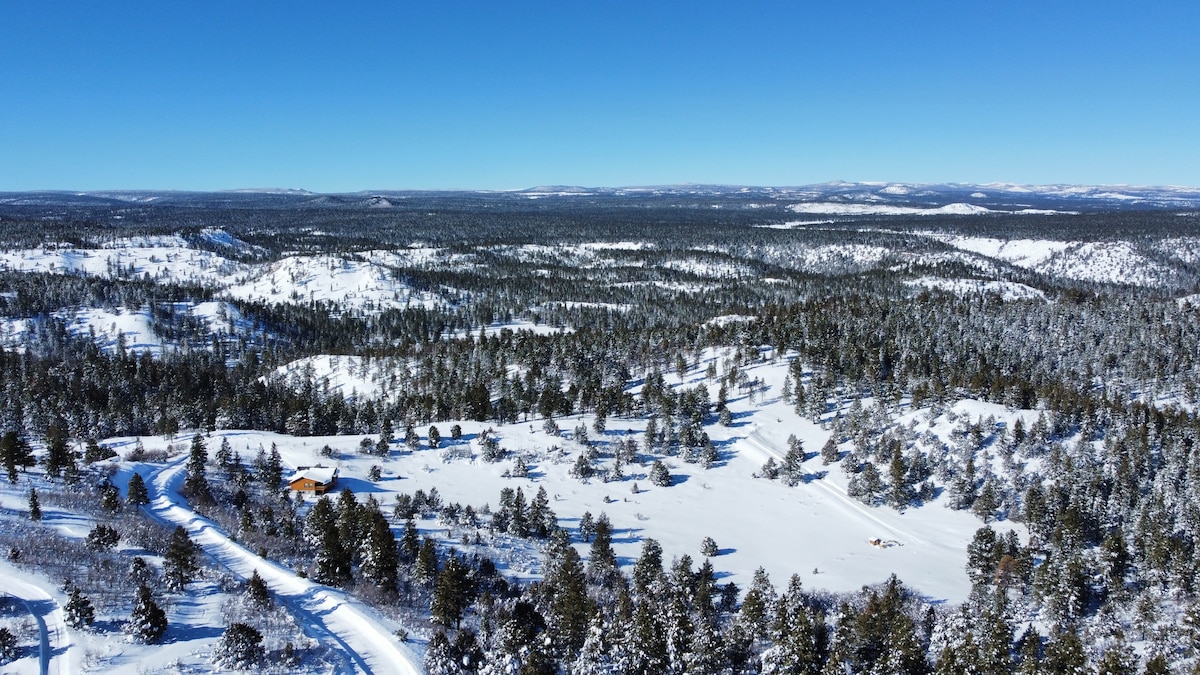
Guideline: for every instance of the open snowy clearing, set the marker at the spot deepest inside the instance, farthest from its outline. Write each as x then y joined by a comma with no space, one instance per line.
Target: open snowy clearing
756,522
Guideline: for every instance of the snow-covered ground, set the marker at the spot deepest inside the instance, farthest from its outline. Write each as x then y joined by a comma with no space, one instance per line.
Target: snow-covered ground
812,529
58,651
366,639
1007,290
348,284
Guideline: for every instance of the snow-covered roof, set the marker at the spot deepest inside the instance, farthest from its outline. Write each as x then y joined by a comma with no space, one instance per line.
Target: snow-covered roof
319,474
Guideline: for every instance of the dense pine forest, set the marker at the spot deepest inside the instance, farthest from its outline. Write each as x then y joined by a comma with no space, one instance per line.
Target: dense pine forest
570,314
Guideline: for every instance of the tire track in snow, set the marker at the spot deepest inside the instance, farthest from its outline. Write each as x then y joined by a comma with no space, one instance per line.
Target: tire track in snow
369,646
847,502
57,655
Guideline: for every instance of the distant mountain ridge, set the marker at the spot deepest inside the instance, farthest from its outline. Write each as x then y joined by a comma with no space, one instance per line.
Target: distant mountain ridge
844,198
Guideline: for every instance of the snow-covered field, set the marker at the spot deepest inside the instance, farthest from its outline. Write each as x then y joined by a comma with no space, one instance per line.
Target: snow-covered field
813,529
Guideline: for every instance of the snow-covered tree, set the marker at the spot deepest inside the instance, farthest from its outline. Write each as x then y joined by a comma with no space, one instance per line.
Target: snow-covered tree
240,647
147,622
78,611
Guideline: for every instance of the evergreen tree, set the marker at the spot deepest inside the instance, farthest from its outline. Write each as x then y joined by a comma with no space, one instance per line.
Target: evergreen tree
78,611
659,475
272,473
426,568
321,532
829,452
648,569
60,461
224,457
587,527
136,493
570,607
240,647
35,506
15,452
195,484
179,562
603,569
410,542
1065,655
258,595
9,646
793,461
110,497
452,594
648,641
380,559
439,658
102,538
147,622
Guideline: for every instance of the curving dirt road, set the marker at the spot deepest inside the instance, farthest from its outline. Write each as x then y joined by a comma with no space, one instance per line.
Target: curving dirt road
369,646
57,653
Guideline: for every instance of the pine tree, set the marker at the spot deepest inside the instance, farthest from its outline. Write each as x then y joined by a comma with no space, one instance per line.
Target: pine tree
35,506
9,645
224,457
240,647
102,538
659,475
647,641
426,568
195,485
452,594
60,461
570,607
136,493
648,569
1064,655
110,497
410,542
603,569
439,658
258,595
380,559
147,622
78,610
179,562
829,452
14,452
272,474
587,527
793,461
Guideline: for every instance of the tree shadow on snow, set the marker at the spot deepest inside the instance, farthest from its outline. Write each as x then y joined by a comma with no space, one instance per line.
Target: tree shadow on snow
356,485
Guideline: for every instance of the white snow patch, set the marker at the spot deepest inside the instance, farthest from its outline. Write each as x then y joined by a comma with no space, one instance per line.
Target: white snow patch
1007,290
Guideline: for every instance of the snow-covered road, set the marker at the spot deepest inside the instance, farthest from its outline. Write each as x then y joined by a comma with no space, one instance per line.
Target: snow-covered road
370,646
57,653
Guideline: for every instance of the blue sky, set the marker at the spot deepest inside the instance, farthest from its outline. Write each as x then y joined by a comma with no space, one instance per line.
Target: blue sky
395,95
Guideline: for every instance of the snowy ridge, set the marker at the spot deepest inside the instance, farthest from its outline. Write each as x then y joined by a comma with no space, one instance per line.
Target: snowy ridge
350,284
1007,290
843,209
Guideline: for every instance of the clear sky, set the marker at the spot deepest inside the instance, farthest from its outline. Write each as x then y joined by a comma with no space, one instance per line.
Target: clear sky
351,96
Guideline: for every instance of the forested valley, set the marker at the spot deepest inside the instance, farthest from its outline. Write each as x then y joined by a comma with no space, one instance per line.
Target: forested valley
1038,374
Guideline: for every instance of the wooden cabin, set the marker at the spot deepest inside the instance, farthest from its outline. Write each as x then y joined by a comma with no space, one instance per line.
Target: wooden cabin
315,479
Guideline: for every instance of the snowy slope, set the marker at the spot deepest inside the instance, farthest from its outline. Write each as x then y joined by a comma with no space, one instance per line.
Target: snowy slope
349,284
1007,290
